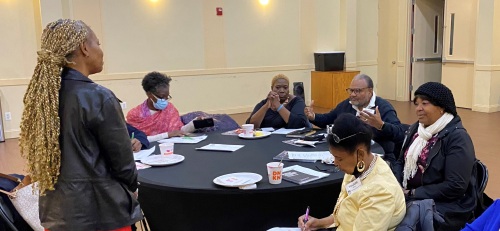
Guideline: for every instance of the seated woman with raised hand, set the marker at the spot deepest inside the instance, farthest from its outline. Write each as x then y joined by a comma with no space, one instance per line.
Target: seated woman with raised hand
438,157
280,108
157,117
370,197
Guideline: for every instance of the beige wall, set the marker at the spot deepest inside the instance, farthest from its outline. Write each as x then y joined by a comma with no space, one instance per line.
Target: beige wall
218,64
224,64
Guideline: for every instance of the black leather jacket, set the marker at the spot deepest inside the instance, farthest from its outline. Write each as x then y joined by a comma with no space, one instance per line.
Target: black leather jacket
448,177
94,190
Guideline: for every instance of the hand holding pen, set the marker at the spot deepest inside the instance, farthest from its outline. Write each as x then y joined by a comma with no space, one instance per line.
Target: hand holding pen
306,222
306,217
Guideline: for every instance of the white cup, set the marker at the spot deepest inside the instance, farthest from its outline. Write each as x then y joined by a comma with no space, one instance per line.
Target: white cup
247,130
275,172
166,148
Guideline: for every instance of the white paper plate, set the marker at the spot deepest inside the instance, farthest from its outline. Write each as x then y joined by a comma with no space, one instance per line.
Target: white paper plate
162,160
264,134
237,179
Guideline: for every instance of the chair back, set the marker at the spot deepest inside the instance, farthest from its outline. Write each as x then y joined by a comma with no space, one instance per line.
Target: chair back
398,144
6,216
482,177
482,200
298,90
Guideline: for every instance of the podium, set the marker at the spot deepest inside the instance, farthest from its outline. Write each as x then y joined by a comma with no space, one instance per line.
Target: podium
328,88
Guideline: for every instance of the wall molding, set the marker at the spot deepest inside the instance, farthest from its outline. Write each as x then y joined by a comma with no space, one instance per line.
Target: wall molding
487,67
12,134
486,108
361,64
175,73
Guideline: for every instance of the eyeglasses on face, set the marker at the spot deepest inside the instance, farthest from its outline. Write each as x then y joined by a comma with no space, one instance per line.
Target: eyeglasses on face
355,90
169,97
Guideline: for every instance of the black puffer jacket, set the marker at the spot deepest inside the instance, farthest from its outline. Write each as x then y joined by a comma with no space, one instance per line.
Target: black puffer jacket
448,176
98,176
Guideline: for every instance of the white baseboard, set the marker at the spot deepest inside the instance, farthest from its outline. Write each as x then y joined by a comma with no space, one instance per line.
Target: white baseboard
486,108
10,134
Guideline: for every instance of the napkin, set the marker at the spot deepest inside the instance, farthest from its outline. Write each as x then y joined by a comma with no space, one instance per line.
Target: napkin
248,186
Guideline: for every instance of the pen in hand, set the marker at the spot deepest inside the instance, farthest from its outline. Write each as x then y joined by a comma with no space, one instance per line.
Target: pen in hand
132,137
306,217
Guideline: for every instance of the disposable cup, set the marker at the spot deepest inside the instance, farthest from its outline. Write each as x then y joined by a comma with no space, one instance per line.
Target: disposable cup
275,172
166,148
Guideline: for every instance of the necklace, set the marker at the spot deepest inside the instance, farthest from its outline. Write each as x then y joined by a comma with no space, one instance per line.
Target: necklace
362,177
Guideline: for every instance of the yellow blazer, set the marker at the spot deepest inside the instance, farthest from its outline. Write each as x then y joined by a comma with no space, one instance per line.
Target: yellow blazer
378,204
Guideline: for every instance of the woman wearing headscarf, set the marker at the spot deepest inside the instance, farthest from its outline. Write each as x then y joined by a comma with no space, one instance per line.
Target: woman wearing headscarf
280,109
437,157
74,137
370,197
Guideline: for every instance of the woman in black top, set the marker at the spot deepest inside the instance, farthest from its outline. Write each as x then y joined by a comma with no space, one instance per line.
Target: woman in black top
280,108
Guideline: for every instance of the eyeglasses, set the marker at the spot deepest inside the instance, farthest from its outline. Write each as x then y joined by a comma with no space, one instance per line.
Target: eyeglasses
337,139
169,97
355,90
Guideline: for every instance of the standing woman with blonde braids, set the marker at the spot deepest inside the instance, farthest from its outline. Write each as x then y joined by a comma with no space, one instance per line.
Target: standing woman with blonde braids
74,137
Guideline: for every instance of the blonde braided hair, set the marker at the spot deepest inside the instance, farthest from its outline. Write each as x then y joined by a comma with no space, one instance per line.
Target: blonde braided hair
40,124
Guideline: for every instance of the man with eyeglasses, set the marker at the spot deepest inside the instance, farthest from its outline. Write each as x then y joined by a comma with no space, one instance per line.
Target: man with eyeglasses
371,109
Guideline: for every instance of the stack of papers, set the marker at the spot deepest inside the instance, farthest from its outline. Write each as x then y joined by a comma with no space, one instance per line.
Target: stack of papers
284,131
309,155
220,147
184,139
144,153
284,156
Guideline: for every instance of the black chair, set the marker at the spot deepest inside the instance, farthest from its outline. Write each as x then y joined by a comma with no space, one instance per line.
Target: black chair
483,200
6,217
298,90
398,144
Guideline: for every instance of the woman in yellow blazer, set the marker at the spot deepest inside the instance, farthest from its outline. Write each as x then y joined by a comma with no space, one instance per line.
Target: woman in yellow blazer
370,198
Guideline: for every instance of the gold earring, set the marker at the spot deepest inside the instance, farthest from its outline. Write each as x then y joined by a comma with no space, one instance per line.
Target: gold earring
360,166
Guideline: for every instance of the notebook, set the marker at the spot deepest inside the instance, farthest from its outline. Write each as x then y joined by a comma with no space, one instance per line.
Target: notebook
301,175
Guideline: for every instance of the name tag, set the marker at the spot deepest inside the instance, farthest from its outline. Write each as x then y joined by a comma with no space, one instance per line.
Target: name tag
353,186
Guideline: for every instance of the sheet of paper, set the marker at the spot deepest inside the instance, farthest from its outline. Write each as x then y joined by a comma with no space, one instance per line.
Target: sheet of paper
184,140
284,229
284,131
234,132
144,153
221,147
140,166
309,155
267,129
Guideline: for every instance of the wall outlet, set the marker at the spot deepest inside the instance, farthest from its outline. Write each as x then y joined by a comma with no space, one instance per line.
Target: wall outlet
8,116
124,105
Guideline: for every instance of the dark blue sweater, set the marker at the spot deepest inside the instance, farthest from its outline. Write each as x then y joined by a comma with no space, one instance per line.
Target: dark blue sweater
273,119
138,134
392,132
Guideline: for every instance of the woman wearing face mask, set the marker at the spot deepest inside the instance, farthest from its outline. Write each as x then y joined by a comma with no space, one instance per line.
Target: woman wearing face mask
370,197
157,117
280,108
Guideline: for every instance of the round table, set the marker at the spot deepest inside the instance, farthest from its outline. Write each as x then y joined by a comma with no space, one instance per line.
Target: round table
184,197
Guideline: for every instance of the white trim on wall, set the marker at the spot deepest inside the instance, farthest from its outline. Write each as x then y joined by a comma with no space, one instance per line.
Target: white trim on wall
487,67
177,73
486,108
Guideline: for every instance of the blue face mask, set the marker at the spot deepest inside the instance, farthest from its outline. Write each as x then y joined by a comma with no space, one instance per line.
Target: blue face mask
160,103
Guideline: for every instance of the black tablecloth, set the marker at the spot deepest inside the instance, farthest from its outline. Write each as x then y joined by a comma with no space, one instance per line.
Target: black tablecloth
184,197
